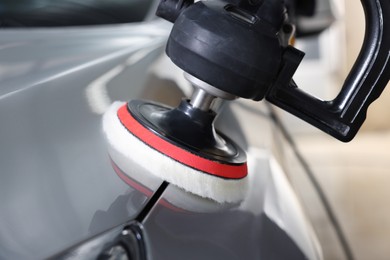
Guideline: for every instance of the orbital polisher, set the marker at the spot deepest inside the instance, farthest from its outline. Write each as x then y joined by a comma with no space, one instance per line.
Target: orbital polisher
239,49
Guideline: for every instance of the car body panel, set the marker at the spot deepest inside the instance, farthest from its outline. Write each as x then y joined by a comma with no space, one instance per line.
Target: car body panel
62,185
266,225
57,180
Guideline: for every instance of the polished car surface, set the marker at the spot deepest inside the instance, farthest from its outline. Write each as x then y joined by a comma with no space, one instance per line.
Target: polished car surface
56,175
64,192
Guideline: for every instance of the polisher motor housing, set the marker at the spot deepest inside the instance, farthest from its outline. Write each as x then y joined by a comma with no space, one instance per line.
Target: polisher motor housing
232,45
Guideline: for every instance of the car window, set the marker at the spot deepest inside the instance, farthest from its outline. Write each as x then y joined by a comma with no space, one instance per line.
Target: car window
49,13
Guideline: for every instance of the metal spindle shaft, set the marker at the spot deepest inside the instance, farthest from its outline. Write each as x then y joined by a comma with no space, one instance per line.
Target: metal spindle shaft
201,99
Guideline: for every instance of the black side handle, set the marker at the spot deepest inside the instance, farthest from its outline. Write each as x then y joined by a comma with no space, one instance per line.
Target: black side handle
343,116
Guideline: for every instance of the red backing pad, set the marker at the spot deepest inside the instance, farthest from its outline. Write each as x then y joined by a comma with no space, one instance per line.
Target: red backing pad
185,157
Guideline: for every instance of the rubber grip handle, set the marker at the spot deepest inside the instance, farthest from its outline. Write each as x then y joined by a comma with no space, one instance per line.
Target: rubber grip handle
343,116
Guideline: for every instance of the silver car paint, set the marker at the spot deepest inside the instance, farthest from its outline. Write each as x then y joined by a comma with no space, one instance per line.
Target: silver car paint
57,183
56,174
267,224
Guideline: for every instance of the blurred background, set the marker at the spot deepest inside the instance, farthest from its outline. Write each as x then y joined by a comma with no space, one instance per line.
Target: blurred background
355,176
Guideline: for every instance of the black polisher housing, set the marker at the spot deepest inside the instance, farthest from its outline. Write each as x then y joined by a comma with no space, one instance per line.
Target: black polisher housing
228,46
